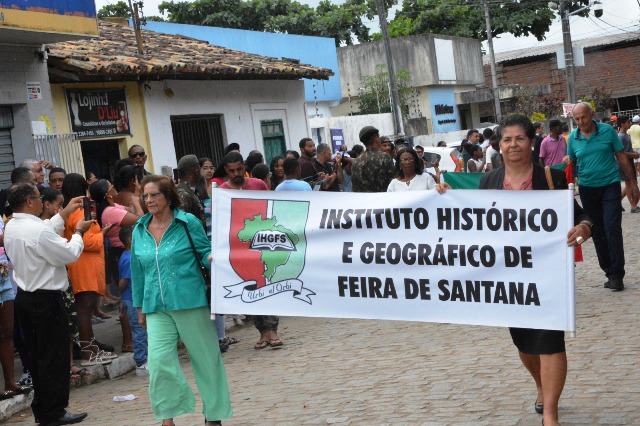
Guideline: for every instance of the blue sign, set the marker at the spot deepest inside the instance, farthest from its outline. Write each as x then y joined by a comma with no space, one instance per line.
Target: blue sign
444,111
86,8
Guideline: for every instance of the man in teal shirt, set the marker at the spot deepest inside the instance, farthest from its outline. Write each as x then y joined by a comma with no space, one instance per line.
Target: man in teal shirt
595,147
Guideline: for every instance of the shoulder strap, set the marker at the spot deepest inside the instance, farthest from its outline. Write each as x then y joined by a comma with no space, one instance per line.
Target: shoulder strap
193,247
547,172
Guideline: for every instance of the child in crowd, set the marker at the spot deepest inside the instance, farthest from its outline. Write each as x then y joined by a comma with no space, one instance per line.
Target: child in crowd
126,304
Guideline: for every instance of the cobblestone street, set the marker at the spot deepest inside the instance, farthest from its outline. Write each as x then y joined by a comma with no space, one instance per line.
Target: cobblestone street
357,372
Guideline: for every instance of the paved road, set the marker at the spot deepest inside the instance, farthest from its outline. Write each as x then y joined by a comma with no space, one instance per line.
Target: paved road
356,372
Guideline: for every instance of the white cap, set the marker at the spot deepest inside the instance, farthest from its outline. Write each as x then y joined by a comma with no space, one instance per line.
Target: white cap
636,119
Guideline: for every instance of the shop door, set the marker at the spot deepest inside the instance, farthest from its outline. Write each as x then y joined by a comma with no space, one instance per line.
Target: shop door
273,139
6,158
100,157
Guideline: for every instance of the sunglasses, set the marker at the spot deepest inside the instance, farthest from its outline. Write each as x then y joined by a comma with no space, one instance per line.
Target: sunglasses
137,154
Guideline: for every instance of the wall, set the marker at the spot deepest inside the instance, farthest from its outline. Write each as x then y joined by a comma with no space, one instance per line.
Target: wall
242,103
25,21
614,68
316,51
417,54
351,126
19,65
135,105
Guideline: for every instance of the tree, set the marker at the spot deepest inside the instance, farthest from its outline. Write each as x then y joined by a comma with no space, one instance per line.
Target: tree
374,97
600,99
342,22
465,18
118,10
537,105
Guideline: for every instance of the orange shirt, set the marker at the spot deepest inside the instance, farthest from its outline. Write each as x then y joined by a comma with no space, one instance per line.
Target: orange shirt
87,273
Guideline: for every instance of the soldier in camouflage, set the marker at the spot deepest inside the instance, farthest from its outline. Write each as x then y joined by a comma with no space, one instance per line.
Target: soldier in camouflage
189,190
373,170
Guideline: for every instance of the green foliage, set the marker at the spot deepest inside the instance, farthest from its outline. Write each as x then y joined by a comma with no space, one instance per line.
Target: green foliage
465,18
537,116
118,10
375,94
600,100
342,22
531,104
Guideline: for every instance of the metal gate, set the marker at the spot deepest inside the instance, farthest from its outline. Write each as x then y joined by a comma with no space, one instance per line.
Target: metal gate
62,149
6,158
200,135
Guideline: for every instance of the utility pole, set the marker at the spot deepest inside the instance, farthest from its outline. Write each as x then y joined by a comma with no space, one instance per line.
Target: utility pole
136,26
492,59
568,52
395,98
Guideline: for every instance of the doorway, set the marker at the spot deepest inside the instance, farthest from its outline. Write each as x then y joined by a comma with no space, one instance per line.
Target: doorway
273,139
100,156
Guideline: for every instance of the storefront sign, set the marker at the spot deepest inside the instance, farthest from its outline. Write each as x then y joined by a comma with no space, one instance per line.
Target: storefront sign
98,113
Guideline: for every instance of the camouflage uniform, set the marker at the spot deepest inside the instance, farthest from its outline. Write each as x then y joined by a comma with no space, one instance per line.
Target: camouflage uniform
190,202
372,171
266,323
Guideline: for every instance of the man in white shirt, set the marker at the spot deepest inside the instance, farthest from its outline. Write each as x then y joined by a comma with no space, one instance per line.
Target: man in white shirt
39,256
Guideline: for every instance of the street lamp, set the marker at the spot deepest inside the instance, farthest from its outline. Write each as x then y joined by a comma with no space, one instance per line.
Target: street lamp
566,38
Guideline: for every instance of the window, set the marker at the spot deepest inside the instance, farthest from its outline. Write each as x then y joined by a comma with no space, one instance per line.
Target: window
200,135
273,139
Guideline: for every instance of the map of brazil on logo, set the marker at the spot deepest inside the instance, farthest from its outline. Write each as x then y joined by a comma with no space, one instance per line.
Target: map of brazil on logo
267,249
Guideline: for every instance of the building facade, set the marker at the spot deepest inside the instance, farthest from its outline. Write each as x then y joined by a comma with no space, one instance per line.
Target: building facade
26,104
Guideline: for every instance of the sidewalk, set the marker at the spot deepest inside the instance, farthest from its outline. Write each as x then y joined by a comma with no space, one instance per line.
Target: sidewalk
363,372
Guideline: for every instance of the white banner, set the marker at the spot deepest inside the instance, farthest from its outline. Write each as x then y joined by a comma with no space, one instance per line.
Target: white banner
495,258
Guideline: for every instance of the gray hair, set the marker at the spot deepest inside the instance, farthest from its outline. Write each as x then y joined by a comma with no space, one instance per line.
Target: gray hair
321,148
28,163
585,104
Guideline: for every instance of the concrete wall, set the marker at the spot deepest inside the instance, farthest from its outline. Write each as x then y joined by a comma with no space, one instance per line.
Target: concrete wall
316,51
417,54
242,103
351,126
19,65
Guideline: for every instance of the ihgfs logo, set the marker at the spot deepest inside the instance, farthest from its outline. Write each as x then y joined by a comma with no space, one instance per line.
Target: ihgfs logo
267,249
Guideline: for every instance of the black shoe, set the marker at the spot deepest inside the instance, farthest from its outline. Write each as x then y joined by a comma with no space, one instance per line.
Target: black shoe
539,407
607,284
104,346
223,346
616,284
67,419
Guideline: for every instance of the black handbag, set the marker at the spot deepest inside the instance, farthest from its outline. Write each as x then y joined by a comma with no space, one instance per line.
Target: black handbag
206,274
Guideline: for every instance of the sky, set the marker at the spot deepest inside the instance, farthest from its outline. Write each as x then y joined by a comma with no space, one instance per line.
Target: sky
619,16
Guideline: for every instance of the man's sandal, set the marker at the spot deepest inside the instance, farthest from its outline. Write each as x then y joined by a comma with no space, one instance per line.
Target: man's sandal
261,344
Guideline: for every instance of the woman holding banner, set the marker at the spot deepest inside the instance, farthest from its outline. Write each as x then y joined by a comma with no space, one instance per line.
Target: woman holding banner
542,351
411,175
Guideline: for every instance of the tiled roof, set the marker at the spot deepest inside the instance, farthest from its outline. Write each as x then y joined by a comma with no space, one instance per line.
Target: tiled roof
114,56
548,49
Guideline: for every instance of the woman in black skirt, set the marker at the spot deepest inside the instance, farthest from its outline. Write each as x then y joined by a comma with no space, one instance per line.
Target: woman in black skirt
542,351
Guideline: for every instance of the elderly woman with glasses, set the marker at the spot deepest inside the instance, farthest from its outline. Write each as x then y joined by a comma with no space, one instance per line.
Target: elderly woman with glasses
169,292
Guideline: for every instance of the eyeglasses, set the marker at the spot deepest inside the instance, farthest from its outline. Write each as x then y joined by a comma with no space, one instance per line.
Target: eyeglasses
407,160
41,196
153,196
137,154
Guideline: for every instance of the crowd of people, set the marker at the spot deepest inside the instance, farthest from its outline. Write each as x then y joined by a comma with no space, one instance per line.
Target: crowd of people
145,245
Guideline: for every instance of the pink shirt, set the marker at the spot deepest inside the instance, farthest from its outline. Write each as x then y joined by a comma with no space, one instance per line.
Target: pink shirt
251,184
114,215
553,150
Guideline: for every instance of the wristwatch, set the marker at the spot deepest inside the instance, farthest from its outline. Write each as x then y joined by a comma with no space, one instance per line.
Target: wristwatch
589,224
79,231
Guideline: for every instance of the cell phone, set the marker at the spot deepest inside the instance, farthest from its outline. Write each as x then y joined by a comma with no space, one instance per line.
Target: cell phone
86,206
176,176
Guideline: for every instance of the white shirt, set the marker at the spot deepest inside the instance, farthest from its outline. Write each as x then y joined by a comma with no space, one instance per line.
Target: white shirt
38,253
418,183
